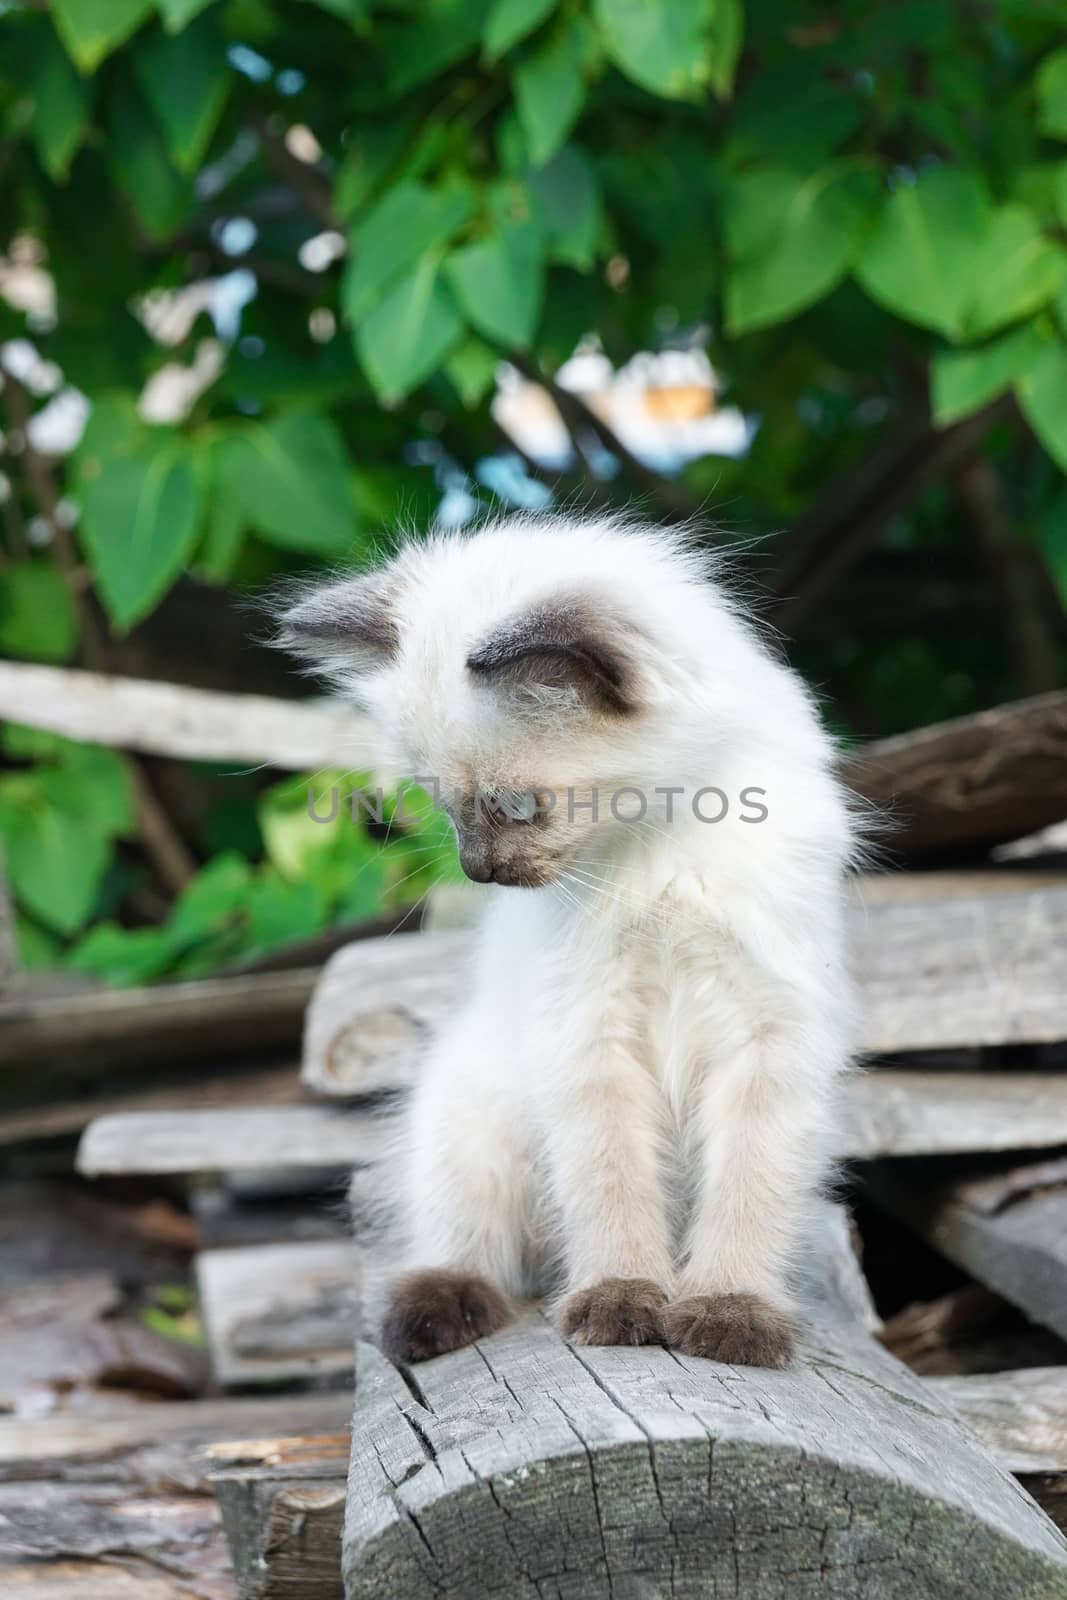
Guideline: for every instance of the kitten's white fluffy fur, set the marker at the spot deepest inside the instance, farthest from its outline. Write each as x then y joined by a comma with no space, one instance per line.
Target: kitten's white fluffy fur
639,1082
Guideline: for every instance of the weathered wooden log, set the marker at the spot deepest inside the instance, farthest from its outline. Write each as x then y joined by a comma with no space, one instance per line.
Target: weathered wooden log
934,975
167,719
886,1113
279,1313
527,1467
1006,1227
959,788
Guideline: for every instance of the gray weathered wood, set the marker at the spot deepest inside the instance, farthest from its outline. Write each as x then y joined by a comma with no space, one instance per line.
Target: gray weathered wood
142,1446
279,1312
75,1033
167,719
527,1468
319,1138
886,1112
971,783
283,1513
1020,1416
1019,1248
934,975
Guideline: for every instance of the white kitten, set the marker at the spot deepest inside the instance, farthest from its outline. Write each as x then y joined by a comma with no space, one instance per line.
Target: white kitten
634,1099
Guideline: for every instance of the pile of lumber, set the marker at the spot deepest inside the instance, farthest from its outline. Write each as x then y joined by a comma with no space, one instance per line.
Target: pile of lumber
925,1456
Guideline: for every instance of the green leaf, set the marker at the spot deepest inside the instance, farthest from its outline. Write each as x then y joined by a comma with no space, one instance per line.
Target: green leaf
140,518
61,104
727,37
123,956
1052,95
213,901
443,32
91,29
279,911
185,78
550,92
410,220
919,258
158,194
566,194
177,14
1042,393
99,781
663,45
292,477
1017,271
511,20
499,283
1059,190
794,238
38,621
962,381
55,858
410,332
472,370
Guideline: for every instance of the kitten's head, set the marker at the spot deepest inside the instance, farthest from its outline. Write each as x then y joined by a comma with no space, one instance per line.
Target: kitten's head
518,667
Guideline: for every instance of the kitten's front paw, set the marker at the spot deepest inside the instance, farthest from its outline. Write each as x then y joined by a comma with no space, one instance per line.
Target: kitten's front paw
740,1329
615,1311
434,1311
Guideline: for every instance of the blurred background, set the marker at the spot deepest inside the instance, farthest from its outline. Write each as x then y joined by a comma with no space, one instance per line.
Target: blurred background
278,279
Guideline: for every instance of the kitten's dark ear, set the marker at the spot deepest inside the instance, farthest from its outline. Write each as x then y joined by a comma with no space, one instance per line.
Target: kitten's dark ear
341,625
570,642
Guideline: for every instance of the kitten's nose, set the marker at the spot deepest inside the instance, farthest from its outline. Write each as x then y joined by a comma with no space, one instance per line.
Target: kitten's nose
478,867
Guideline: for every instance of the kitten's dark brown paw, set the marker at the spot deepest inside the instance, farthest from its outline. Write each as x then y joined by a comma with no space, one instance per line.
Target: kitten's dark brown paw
615,1311
434,1311
740,1329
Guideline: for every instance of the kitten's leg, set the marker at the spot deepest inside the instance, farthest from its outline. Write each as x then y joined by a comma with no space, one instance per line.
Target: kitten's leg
468,1200
761,1128
603,1155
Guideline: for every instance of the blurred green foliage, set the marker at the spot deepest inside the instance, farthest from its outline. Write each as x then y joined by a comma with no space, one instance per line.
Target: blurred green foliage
863,204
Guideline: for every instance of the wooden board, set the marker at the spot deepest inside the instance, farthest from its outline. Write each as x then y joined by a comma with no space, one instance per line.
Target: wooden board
886,1112
1020,1416
934,975
211,1017
320,1138
279,1313
1016,1244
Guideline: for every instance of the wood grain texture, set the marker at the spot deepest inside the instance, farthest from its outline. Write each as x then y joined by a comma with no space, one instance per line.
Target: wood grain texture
963,786
277,1313
283,1516
527,1468
1020,1416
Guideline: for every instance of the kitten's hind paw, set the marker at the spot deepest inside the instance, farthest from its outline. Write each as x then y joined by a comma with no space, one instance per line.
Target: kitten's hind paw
615,1311
434,1311
740,1329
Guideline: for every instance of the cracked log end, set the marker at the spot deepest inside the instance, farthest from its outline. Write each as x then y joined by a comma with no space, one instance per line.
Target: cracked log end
528,1467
